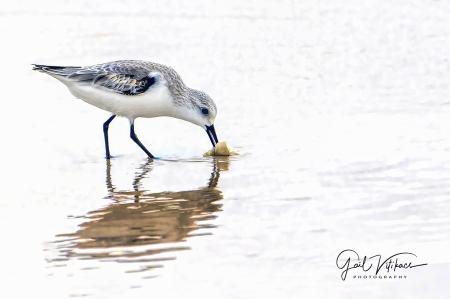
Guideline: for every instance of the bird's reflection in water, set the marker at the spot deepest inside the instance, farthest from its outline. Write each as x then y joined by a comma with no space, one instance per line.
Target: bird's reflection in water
132,227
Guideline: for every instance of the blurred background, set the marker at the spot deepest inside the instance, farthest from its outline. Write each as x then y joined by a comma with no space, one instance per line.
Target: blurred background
339,111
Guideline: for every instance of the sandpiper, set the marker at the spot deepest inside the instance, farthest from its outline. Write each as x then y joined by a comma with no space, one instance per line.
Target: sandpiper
132,89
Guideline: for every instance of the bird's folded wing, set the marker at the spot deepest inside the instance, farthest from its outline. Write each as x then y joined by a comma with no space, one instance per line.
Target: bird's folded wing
120,81
129,78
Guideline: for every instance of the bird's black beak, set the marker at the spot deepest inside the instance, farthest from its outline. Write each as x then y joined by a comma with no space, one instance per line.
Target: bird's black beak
212,134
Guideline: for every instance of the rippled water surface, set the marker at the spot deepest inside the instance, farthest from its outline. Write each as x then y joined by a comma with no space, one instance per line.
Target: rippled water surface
339,111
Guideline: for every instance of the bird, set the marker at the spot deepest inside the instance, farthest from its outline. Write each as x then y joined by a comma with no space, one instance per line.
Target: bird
135,88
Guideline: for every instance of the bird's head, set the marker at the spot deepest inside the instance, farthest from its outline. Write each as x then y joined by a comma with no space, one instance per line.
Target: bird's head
202,112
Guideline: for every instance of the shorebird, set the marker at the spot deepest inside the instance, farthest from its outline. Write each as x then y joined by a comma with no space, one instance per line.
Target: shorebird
132,89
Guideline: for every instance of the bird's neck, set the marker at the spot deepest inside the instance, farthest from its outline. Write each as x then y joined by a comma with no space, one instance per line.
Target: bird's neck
184,113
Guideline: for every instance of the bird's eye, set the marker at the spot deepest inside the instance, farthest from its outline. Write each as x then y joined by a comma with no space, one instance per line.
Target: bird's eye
205,111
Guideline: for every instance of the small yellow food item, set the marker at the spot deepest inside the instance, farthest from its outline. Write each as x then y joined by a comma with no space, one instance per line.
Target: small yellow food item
221,149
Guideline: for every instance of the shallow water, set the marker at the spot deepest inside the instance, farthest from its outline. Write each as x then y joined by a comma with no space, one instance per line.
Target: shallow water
339,112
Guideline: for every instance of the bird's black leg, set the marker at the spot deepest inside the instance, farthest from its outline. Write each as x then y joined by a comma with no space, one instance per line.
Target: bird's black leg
135,139
105,132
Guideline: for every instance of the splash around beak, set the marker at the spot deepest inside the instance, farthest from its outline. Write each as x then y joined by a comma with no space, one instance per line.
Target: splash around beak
212,134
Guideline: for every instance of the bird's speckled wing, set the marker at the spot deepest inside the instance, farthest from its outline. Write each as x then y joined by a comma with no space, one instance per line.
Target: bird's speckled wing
128,77
125,77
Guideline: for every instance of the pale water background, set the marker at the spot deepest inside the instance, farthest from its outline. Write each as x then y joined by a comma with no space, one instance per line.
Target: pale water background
340,111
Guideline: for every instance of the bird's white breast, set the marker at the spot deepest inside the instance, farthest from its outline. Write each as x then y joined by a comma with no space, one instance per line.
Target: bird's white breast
157,101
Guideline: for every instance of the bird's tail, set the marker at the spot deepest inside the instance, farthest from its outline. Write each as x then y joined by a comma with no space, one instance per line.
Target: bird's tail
55,70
